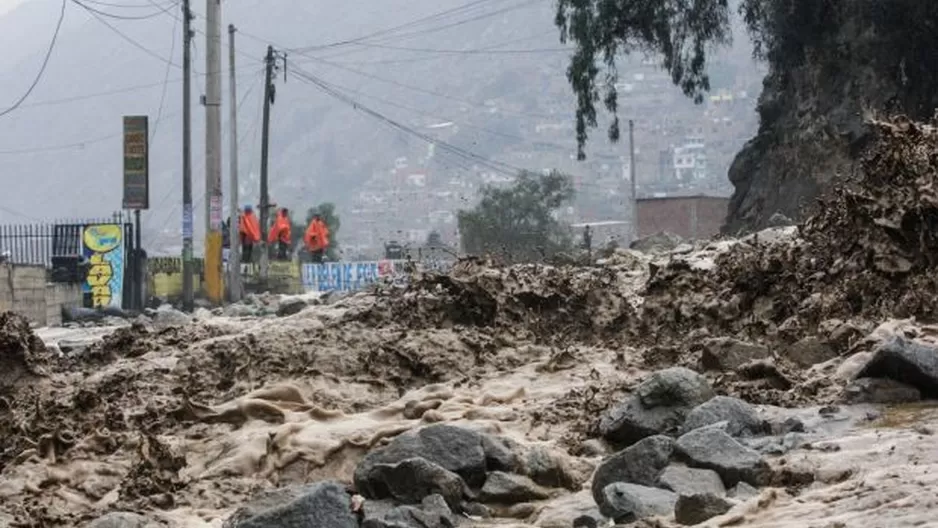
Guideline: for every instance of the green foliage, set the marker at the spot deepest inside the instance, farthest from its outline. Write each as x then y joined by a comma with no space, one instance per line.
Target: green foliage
329,215
518,223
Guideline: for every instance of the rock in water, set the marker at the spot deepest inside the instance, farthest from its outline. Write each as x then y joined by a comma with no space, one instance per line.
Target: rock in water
658,406
727,354
638,464
742,418
123,520
690,481
626,503
712,448
291,306
743,492
457,450
505,488
413,479
907,362
880,390
696,509
321,505
432,513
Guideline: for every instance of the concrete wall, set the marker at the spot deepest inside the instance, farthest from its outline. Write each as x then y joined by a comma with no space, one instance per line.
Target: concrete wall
23,289
690,218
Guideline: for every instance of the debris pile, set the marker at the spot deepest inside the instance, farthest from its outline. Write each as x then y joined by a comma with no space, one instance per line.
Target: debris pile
870,254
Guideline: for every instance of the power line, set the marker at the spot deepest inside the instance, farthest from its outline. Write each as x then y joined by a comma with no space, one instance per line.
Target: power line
112,15
464,51
496,166
133,42
159,112
441,14
42,68
122,6
410,87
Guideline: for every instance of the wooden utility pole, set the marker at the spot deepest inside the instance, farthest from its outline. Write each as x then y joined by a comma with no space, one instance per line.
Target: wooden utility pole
214,284
187,294
234,257
632,178
265,141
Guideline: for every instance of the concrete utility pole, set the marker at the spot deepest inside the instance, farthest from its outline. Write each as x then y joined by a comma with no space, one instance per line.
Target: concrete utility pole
234,258
265,141
214,285
188,301
632,178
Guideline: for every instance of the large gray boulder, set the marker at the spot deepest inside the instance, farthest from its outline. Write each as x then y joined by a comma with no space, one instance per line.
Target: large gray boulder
684,480
726,354
433,512
712,448
321,505
411,480
454,449
659,406
742,418
640,463
625,503
880,390
691,510
123,520
507,488
907,362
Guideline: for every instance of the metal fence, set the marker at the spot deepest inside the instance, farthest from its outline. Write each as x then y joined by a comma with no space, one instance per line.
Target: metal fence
37,244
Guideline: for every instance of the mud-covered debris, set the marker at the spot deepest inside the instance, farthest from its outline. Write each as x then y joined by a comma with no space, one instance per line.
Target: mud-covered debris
22,353
154,477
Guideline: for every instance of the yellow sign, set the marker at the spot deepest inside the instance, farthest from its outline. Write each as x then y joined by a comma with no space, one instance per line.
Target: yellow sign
103,238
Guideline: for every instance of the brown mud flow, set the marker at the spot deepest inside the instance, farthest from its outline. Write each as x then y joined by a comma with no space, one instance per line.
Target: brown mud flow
750,346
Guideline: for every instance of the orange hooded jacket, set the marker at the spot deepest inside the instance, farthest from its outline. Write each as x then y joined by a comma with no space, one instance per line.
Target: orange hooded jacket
317,236
281,231
249,228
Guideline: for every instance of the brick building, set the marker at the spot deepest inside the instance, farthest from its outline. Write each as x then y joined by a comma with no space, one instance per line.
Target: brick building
690,217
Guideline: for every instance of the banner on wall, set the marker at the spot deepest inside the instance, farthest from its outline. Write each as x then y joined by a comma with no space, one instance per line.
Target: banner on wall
347,276
103,247
353,276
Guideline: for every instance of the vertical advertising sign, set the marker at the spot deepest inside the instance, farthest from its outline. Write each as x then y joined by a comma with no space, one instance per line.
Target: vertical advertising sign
136,163
103,246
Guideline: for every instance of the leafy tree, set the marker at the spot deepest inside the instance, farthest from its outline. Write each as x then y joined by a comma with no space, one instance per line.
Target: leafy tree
900,40
332,220
518,223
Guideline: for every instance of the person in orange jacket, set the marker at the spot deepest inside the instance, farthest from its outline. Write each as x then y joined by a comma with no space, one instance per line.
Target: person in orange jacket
280,234
250,231
317,238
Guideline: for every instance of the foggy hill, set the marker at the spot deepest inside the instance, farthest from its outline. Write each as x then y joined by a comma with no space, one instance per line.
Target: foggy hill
60,154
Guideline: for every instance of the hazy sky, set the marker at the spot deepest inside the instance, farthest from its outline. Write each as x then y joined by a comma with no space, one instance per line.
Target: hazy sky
6,5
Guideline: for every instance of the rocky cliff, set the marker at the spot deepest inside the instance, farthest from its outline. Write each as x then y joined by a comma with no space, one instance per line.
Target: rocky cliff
827,76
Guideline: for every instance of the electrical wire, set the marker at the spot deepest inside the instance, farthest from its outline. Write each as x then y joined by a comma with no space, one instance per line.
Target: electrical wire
123,6
42,68
496,166
441,14
133,42
464,51
159,113
112,15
